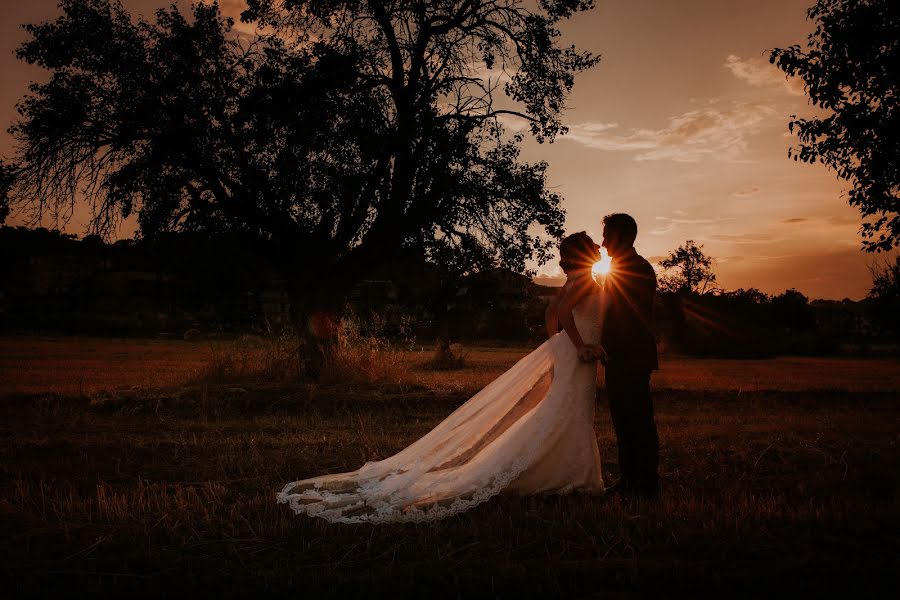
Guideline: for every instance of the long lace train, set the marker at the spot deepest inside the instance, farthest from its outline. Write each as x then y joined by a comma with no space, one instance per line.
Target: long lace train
529,431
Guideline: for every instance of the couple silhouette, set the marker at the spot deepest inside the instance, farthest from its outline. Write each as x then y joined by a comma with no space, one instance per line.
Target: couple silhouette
531,430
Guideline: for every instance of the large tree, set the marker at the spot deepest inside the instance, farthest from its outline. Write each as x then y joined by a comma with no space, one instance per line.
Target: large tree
435,68
357,128
850,69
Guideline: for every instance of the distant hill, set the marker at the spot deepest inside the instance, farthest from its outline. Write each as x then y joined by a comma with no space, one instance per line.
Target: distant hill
554,281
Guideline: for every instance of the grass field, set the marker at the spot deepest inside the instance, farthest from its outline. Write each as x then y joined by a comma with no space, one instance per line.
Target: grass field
129,469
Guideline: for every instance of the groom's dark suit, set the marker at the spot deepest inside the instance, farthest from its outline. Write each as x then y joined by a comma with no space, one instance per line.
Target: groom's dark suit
631,348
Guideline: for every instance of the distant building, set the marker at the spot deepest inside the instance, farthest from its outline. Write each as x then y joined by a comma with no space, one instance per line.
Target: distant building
274,303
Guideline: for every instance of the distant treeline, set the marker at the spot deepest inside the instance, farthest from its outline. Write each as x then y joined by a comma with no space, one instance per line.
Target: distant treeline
56,283
749,323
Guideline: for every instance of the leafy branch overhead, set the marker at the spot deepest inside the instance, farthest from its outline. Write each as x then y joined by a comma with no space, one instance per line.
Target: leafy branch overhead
435,66
850,68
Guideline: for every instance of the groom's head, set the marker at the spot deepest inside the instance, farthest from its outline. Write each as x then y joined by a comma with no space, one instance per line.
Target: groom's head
619,233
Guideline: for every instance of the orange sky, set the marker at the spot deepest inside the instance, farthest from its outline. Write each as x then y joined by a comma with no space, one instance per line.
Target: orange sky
683,124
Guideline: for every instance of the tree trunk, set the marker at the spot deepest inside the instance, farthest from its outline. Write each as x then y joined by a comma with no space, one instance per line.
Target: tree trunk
315,315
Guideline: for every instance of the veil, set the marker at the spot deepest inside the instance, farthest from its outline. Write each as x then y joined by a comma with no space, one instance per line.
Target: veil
469,457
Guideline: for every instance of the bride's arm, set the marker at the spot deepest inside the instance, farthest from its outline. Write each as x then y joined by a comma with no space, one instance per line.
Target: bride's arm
570,297
551,315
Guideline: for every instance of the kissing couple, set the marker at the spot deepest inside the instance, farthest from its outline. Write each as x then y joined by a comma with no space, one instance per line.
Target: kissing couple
531,430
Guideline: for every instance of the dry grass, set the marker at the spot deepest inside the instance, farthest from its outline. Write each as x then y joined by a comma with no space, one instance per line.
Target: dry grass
172,492
62,365
73,366
766,491
251,359
783,374
364,357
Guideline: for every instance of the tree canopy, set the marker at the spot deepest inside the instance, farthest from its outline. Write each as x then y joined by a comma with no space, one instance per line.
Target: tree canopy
850,68
353,129
433,70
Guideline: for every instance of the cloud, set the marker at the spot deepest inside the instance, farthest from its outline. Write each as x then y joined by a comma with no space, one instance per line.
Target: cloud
795,220
776,257
694,221
512,123
493,75
696,135
843,220
753,237
758,72
550,280
669,224
233,9
744,192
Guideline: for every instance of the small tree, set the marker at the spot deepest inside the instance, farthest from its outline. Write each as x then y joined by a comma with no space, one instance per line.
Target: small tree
885,297
7,177
687,270
849,68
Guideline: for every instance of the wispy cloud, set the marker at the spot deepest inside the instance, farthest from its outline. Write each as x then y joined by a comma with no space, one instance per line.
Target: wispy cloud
696,135
513,123
492,75
233,9
669,224
745,191
752,237
758,72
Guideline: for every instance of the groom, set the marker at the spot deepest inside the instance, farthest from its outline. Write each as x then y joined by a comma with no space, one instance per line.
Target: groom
630,356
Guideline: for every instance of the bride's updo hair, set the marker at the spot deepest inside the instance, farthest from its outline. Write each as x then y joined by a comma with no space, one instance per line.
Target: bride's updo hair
578,251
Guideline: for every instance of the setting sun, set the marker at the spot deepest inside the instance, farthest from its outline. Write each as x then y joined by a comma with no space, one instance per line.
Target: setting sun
601,267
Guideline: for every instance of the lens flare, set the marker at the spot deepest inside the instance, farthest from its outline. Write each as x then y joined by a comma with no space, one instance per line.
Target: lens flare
601,267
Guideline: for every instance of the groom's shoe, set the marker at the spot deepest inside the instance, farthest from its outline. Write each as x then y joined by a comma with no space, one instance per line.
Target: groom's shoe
626,490
647,490
647,493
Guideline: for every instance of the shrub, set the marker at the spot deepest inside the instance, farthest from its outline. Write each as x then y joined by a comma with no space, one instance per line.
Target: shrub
254,358
447,358
363,353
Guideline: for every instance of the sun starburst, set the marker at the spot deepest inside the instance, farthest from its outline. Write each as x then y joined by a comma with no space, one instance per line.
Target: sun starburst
601,267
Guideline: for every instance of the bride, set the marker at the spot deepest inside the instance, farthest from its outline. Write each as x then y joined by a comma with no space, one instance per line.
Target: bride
529,431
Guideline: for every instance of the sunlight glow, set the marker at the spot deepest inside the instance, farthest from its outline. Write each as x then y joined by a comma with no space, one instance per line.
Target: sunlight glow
601,267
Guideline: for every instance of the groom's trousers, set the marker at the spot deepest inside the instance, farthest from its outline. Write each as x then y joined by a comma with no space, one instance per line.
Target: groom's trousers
631,409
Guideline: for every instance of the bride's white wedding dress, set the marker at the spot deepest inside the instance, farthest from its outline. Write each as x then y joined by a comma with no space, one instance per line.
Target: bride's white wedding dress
529,431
